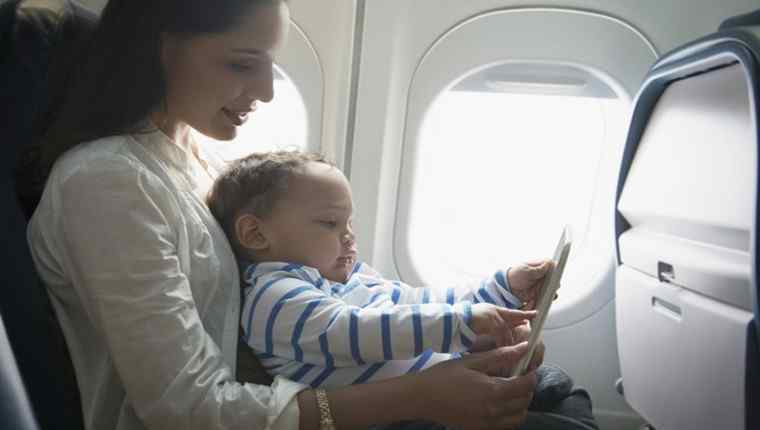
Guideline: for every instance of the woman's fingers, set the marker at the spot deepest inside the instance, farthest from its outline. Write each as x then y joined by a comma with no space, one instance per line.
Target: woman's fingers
513,406
505,337
513,396
506,403
510,338
516,392
493,362
479,401
484,342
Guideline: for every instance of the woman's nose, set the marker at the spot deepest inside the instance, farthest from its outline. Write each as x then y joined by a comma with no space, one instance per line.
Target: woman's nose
261,88
267,92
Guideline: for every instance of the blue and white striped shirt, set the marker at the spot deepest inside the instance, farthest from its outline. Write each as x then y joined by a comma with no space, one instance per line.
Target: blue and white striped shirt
324,333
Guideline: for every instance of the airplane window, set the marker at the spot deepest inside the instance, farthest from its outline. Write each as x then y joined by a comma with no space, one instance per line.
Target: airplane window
279,124
502,164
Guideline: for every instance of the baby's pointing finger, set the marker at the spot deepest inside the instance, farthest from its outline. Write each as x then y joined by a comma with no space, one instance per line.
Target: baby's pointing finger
515,317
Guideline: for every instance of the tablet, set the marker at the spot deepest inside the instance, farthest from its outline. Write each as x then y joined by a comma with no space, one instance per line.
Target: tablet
544,302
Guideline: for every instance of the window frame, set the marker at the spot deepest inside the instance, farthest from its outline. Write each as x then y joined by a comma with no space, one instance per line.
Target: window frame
573,44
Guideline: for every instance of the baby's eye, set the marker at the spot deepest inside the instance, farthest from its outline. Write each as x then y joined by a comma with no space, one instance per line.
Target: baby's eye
329,224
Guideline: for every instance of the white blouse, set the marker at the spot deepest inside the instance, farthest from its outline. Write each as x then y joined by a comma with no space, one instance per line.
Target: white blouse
146,288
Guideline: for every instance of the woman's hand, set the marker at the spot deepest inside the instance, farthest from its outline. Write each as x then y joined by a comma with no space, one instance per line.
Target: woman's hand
525,281
463,394
519,334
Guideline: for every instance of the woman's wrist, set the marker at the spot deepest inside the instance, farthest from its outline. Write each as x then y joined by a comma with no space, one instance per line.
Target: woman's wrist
309,413
358,406
414,396
326,420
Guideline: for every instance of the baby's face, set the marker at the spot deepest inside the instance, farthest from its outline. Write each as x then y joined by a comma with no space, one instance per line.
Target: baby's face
311,224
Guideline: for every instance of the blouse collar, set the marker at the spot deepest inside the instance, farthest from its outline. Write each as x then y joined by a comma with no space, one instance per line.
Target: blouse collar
178,155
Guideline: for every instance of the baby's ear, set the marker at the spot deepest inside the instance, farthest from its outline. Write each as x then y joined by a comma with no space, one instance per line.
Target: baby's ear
249,233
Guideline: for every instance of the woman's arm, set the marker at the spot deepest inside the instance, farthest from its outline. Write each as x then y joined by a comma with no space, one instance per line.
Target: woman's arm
457,393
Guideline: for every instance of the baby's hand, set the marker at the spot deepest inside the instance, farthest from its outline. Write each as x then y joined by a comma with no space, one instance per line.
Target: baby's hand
525,280
498,322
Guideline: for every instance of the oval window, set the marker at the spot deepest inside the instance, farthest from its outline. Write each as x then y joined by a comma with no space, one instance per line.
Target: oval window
506,157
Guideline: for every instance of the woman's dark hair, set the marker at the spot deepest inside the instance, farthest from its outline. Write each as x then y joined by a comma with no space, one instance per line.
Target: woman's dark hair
122,80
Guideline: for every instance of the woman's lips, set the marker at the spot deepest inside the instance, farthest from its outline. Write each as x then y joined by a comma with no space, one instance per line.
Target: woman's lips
237,117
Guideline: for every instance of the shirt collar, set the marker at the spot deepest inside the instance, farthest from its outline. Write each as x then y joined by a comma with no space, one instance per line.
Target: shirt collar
156,141
253,271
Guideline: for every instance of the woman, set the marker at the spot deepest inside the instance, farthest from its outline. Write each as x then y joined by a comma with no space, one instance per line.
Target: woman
141,277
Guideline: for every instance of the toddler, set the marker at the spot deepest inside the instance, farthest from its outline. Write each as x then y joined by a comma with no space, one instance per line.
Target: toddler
315,314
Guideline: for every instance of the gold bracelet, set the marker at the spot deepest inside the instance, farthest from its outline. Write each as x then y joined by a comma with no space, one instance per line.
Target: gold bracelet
326,420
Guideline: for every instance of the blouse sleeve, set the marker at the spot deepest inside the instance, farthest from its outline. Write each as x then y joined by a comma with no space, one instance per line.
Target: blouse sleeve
120,233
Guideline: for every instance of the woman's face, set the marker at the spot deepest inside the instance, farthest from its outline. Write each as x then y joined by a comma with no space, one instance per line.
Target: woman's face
215,80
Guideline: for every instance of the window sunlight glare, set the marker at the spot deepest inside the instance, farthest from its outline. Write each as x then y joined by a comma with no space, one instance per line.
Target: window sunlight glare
497,176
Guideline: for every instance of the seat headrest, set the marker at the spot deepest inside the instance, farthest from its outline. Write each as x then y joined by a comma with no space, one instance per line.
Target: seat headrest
744,20
46,43
7,18
42,27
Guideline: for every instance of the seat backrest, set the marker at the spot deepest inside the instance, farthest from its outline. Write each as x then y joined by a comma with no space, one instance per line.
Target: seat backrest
15,409
42,42
686,226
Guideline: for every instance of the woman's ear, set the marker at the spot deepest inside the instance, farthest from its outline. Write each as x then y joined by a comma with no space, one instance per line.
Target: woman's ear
249,233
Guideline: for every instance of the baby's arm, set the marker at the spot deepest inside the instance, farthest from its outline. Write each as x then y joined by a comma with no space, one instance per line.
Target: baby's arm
495,290
291,318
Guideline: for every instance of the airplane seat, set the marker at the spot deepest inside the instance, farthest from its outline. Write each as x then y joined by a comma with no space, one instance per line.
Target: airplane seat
15,409
7,18
747,19
686,220
41,42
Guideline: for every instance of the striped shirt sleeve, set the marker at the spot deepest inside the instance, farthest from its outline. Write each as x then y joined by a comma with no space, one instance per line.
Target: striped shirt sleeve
494,290
287,316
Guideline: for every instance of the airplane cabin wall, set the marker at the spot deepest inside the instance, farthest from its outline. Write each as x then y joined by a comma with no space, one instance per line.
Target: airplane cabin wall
397,37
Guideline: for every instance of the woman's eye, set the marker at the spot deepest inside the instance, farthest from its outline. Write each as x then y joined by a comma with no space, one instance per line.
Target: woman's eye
329,224
237,67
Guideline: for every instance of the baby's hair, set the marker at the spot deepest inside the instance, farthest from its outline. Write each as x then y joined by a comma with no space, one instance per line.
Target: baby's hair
254,184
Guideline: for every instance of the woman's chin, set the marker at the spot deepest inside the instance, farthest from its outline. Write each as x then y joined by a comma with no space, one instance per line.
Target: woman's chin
223,134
